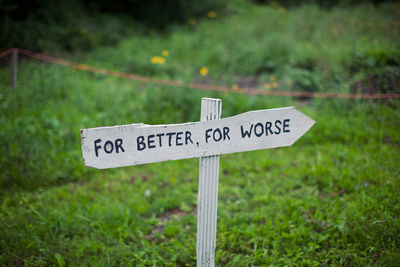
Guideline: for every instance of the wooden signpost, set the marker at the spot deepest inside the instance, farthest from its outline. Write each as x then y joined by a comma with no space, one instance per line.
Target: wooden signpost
133,144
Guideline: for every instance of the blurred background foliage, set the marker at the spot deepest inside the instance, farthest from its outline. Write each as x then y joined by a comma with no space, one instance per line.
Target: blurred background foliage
321,3
240,44
78,25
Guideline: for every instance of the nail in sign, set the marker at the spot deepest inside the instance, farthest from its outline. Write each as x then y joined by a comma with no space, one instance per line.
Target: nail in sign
133,144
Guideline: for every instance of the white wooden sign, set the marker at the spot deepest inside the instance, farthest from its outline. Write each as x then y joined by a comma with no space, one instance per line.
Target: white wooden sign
132,144
124,145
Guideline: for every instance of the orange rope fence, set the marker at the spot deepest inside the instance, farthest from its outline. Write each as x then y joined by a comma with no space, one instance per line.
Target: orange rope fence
249,91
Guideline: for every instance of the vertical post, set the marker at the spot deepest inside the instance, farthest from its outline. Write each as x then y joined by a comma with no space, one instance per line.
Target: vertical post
208,193
14,67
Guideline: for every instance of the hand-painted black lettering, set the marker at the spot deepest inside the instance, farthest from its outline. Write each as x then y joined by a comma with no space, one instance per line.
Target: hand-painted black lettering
108,147
140,143
217,135
188,137
260,128
245,132
268,126
159,138
286,125
97,147
118,145
226,133
207,134
277,127
170,138
150,141
178,137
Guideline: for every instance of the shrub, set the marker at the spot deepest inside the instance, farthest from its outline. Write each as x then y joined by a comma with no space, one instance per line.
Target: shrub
81,26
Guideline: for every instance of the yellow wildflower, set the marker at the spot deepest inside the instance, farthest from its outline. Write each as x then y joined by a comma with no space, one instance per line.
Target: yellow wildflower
235,87
165,53
192,21
267,86
157,60
212,14
275,85
203,71
272,78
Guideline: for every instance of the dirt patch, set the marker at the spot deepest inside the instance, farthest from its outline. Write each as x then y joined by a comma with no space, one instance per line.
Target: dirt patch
168,215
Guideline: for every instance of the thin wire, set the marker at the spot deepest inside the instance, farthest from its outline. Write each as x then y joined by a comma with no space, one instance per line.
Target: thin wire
249,91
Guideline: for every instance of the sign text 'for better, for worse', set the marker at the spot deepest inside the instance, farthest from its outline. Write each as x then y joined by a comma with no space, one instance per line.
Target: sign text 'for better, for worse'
132,144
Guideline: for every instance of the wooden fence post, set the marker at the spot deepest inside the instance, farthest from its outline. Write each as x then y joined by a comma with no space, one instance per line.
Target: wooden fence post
14,68
208,193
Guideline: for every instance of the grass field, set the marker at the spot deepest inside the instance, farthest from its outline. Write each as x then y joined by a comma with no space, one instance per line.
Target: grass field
331,199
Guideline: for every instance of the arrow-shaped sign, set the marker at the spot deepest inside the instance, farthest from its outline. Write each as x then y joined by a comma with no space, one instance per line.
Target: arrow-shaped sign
124,145
132,144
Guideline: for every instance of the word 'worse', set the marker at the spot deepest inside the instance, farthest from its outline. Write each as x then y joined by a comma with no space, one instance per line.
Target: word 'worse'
269,128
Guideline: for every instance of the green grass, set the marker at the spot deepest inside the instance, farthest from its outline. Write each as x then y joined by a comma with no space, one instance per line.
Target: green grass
330,199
